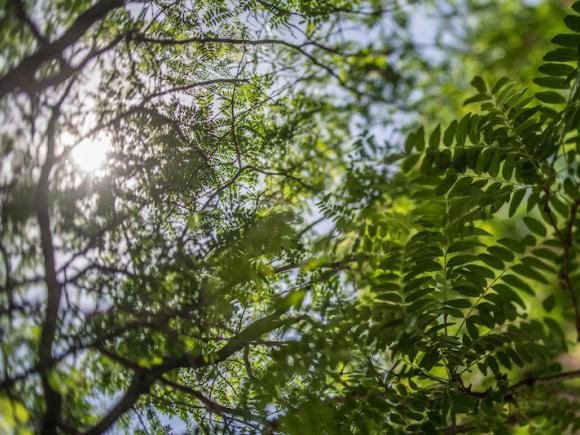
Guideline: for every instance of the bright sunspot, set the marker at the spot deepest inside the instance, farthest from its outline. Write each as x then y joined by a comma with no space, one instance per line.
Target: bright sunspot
89,155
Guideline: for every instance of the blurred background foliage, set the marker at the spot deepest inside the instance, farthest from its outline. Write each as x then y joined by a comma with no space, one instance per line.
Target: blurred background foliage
489,38
238,262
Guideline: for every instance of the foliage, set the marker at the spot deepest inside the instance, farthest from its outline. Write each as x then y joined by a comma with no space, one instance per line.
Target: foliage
490,38
478,223
241,264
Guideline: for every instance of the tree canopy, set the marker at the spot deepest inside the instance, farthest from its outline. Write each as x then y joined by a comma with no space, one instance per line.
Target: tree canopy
289,216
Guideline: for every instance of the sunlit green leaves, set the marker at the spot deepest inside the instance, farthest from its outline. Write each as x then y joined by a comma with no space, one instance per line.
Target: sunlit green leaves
552,83
556,69
572,22
343,282
497,168
449,134
550,97
535,226
567,40
435,138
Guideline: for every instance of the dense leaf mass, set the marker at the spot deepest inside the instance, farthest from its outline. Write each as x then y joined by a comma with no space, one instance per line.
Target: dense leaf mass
215,218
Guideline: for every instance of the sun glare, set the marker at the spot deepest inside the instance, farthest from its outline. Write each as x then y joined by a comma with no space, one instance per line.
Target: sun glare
90,155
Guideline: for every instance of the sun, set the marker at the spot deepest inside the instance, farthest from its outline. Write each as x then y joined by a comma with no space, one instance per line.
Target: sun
89,155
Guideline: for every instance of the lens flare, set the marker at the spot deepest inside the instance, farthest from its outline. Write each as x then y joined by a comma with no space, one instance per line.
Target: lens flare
90,154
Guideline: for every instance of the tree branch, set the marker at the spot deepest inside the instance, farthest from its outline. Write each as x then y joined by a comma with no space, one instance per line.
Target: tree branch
212,406
529,382
140,384
335,266
565,274
22,76
23,16
53,288
144,378
242,41
567,238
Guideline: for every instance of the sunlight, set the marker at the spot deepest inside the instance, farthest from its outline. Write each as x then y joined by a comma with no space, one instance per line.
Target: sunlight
89,155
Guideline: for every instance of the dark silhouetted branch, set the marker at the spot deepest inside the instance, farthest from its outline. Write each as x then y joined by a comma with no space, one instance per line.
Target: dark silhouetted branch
22,76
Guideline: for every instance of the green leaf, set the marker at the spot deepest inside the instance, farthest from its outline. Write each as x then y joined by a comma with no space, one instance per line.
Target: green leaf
557,204
514,356
572,22
538,264
527,126
549,303
450,133
460,260
535,226
521,104
556,69
415,140
517,198
464,245
472,328
499,84
420,139
478,83
462,130
429,428
435,138
467,290
518,283
532,201
505,93
460,186
491,261
474,130
529,240
561,55
504,360
415,283
418,294
552,82
476,269
410,142
390,297
458,303
493,365
482,368
410,162
516,98
501,253
453,312
291,300
478,98
530,273
445,184
546,254
571,189
513,244
567,40
554,328
507,294
550,97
